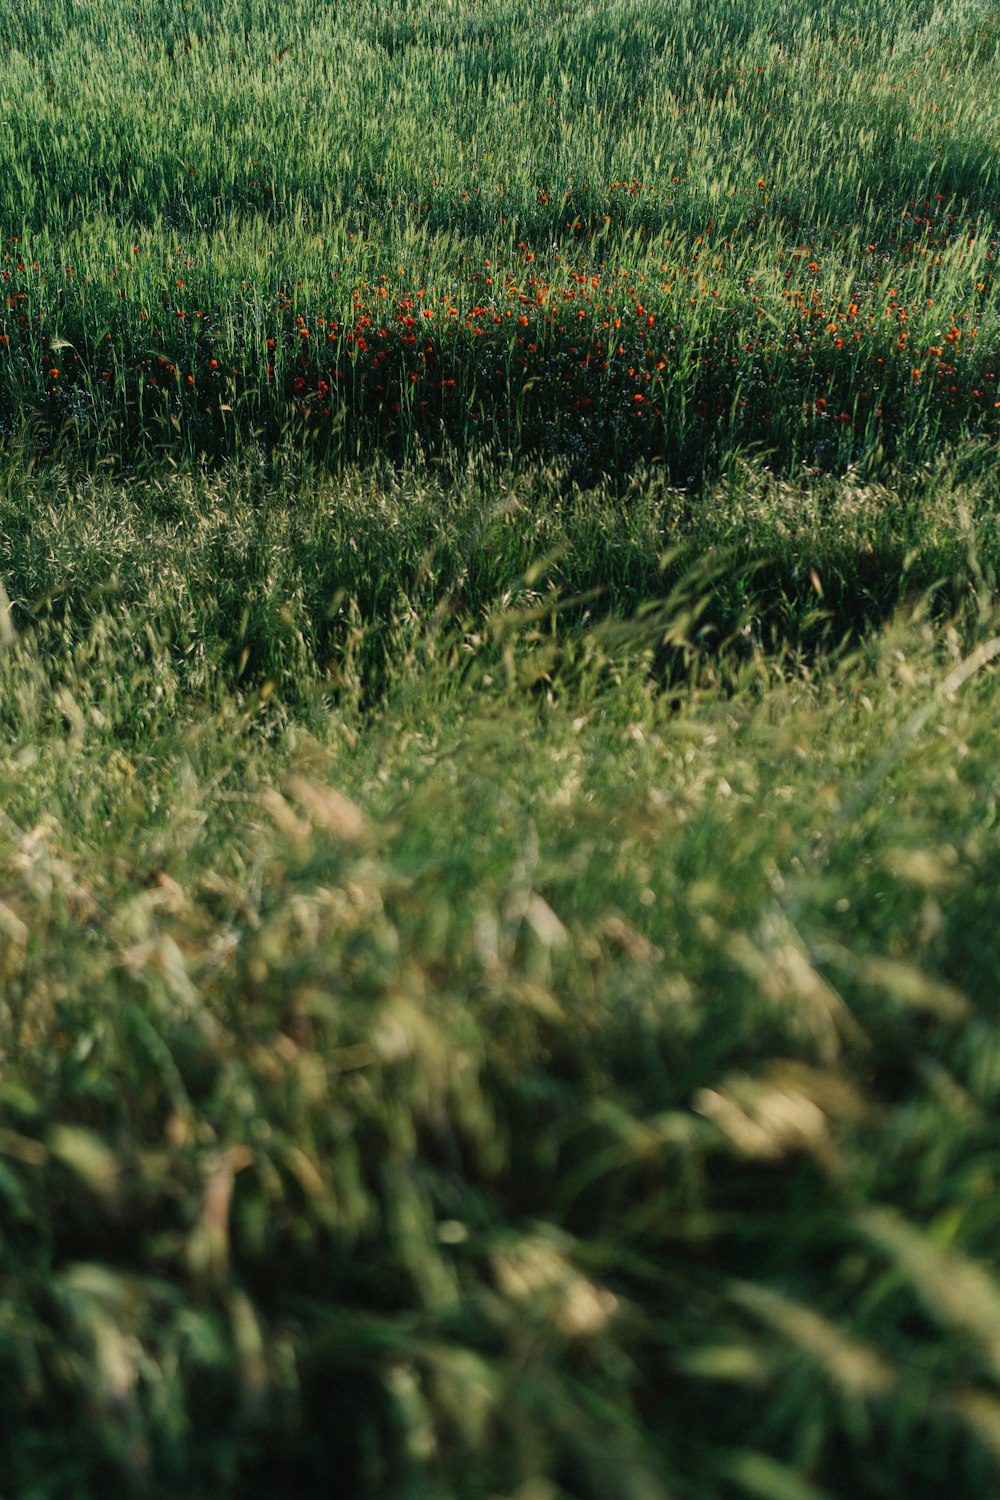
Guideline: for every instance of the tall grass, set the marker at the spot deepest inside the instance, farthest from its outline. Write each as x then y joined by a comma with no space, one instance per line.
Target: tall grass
635,231
498,700
554,1078
480,1036
328,591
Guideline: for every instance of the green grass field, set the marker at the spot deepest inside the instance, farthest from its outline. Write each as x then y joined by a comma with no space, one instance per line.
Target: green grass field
499,833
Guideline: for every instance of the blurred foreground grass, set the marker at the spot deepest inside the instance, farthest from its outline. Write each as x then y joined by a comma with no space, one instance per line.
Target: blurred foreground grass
499,997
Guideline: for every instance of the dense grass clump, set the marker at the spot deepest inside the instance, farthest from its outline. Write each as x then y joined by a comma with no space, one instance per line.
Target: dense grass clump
498,697
467,1038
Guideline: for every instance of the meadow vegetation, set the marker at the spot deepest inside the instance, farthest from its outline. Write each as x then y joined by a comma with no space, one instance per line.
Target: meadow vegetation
498,702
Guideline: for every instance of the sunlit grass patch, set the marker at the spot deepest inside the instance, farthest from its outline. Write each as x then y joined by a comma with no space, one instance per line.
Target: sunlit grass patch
515,1075
731,228
498,692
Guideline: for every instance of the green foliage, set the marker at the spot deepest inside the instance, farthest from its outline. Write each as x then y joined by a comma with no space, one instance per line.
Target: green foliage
493,1039
658,231
498,803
